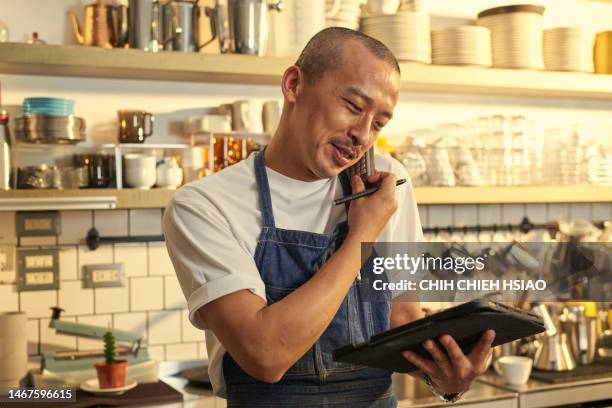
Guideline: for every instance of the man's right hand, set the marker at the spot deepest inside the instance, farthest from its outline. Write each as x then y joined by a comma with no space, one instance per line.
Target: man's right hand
368,215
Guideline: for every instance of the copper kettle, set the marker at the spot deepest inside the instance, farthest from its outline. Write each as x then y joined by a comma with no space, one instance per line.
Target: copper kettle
105,25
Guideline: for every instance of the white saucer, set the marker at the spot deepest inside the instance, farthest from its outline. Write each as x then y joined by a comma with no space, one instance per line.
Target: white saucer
92,386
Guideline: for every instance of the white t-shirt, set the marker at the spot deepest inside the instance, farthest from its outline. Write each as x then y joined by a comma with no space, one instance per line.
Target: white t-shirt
212,225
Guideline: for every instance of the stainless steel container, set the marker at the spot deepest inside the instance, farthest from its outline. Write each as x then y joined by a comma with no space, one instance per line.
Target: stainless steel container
144,25
248,25
50,129
582,334
179,25
5,152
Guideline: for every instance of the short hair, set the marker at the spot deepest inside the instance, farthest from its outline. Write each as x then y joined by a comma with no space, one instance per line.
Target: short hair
324,51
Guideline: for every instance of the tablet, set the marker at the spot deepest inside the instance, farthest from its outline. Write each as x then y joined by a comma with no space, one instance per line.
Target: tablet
465,323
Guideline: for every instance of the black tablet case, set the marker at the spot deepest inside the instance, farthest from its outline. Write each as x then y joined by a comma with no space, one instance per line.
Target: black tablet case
465,323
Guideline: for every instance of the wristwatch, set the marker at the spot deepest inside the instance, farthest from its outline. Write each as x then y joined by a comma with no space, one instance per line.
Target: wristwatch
448,398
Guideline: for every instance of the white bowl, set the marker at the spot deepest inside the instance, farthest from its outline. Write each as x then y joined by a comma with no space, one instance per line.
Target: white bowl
169,177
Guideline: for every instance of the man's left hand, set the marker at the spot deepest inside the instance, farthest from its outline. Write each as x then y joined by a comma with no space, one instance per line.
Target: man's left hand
452,371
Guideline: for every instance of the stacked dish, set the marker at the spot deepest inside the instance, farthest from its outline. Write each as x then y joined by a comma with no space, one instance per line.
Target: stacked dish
463,45
343,13
66,129
406,33
48,106
516,35
568,49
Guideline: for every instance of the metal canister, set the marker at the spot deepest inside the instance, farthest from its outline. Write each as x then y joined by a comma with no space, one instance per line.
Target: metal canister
602,53
5,152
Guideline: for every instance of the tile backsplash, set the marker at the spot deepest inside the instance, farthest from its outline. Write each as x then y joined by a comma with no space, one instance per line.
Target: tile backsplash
151,301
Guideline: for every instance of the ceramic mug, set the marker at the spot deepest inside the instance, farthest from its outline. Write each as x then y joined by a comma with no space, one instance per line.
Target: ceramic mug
270,116
514,369
246,116
139,170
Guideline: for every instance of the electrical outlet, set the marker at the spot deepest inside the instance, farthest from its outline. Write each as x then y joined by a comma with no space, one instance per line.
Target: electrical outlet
103,275
7,264
38,269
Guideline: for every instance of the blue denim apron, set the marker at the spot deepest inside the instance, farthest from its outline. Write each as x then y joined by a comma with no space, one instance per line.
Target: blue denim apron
286,259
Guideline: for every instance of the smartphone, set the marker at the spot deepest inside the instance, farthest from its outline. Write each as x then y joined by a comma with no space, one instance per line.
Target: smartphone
364,167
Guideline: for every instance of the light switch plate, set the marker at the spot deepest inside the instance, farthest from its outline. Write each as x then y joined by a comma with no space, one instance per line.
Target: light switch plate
37,224
7,264
103,275
38,269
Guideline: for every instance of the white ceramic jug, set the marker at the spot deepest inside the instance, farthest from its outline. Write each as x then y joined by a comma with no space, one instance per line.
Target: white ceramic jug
297,24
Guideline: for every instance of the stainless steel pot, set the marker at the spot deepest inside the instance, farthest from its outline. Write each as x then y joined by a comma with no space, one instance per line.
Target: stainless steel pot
50,129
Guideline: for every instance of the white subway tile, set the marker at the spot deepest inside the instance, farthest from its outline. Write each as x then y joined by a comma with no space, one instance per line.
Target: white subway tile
157,352
112,300
132,322
102,255
51,341
536,213
68,263
440,216
173,295
133,257
185,351
466,215
7,227
146,293
513,213
558,212
489,214
423,215
33,327
190,333
75,299
9,298
165,327
111,223
97,320
75,225
145,222
159,261
38,241
202,351
580,211
602,211
37,303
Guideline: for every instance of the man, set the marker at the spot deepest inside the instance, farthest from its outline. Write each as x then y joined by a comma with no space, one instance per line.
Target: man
270,266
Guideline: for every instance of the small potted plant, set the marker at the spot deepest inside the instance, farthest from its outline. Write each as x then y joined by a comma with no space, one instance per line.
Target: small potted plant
111,372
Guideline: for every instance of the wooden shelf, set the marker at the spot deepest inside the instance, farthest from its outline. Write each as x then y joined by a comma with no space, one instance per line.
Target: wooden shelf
126,198
513,195
60,60
159,198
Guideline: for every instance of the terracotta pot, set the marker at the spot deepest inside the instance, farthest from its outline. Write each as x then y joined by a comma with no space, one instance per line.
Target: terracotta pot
113,375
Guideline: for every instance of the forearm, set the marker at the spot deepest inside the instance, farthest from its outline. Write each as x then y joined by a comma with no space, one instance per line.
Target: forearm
403,312
292,325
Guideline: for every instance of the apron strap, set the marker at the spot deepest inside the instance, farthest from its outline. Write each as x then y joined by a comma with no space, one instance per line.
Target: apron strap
263,190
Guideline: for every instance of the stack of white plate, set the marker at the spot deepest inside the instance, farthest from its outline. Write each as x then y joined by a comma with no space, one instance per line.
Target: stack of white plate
516,35
568,49
406,34
342,13
463,45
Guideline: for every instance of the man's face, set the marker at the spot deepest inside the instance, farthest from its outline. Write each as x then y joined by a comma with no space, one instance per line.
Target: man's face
340,115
